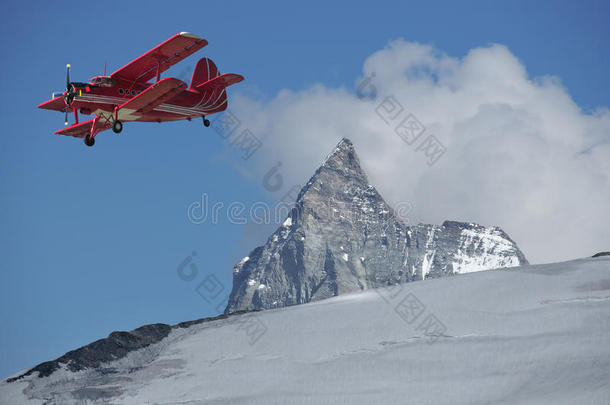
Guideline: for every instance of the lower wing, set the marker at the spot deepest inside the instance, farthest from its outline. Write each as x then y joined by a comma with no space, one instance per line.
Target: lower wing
83,129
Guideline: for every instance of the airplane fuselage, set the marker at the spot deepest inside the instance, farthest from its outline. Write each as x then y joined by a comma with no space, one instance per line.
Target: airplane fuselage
102,100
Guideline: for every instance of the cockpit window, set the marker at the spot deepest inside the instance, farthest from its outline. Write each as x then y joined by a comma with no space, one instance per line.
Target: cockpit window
103,81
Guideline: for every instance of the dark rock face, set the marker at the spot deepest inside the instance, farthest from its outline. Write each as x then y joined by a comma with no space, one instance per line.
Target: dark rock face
342,237
600,254
114,347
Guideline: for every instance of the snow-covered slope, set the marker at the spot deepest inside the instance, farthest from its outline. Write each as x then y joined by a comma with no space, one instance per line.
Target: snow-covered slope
529,335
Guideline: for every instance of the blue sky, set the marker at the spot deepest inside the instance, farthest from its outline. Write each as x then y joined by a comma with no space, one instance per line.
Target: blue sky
91,237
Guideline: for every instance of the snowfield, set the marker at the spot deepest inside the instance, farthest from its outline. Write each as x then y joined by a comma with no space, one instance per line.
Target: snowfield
525,335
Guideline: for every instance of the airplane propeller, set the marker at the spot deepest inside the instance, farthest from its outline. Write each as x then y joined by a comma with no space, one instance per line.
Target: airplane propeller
69,95
70,92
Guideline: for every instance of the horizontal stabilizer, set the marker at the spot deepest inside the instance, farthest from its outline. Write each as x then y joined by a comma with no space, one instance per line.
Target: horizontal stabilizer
220,82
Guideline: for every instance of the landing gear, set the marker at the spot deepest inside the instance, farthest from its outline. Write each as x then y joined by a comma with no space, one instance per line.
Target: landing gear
89,140
206,122
117,126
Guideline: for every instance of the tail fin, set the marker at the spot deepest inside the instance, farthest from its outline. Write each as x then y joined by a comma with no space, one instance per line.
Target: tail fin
204,71
207,77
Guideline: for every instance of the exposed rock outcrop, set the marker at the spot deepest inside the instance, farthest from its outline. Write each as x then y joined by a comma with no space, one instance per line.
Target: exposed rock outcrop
342,237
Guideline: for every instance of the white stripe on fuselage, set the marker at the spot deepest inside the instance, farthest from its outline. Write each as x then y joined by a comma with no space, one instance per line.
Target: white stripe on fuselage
119,101
127,114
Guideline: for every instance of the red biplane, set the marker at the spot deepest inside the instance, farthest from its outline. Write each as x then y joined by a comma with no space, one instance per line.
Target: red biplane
127,94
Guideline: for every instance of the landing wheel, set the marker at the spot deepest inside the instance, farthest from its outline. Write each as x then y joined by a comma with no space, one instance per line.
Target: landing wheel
89,140
206,122
117,126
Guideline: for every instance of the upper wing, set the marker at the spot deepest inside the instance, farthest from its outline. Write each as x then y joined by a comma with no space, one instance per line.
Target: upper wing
153,96
82,129
165,55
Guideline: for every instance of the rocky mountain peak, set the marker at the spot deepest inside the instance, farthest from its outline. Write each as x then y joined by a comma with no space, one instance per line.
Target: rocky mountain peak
342,237
342,165
344,158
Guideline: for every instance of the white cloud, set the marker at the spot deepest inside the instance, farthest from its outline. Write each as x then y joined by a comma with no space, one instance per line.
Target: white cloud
520,153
